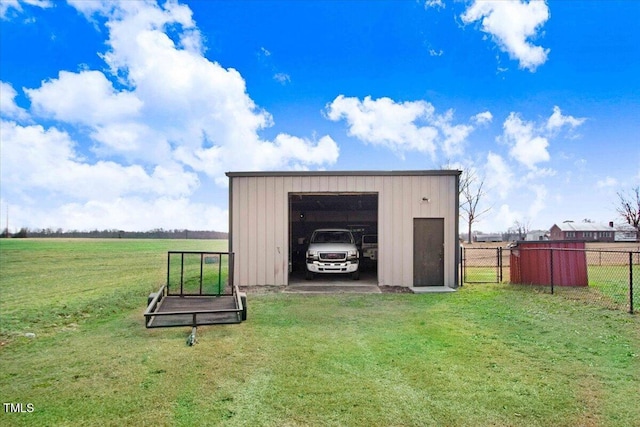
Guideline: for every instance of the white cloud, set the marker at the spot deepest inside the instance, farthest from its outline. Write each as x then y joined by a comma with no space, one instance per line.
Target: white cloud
505,217
529,141
8,107
538,203
438,4
608,182
162,119
195,103
454,135
525,182
557,121
164,212
34,158
176,97
282,78
387,123
300,151
526,147
400,126
482,118
498,174
512,24
126,213
57,188
5,5
16,6
85,98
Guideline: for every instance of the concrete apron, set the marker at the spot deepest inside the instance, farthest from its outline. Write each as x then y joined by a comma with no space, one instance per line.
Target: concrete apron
331,288
431,289
343,288
339,283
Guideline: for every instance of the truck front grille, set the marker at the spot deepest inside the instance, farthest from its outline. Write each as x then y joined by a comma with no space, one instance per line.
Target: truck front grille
333,256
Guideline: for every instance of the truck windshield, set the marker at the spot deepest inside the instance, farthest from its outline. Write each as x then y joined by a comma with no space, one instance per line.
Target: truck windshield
331,237
370,239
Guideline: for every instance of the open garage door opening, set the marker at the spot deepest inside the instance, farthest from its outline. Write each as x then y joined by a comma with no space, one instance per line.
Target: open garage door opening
357,212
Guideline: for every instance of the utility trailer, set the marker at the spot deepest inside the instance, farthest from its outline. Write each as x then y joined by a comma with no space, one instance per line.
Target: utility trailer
199,291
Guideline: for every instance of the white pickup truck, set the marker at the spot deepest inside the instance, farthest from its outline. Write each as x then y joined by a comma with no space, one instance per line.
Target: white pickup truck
370,246
332,250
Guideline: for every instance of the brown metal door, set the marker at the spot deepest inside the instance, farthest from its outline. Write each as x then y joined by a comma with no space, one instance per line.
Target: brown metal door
428,251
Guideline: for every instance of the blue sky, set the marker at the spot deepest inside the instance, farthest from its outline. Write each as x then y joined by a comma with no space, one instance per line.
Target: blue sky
125,115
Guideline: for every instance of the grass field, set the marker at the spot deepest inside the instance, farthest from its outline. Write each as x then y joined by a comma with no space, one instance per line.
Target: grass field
485,355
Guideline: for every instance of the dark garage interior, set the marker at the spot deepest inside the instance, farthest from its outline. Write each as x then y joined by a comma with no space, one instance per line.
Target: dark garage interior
310,211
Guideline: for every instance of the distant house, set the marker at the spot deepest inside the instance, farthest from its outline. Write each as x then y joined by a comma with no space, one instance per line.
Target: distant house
481,237
588,231
626,233
538,235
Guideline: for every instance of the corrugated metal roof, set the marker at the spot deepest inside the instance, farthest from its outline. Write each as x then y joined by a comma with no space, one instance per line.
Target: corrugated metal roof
583,226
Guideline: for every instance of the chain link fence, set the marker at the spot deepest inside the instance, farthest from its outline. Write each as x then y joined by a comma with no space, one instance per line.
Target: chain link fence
596,275
484,265
607,278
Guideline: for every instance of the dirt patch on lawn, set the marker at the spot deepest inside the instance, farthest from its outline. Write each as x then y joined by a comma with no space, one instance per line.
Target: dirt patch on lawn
264,289
395,290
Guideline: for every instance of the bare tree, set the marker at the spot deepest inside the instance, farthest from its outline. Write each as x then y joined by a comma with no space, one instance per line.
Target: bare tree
520,228
629,207
471,193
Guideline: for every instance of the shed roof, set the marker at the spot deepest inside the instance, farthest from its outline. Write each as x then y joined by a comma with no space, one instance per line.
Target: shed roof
437,172
583,226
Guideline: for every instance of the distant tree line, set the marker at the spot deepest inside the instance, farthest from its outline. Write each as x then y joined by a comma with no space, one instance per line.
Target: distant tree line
157,233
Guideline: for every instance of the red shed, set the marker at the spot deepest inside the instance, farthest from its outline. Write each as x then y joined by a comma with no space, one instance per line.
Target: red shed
563,263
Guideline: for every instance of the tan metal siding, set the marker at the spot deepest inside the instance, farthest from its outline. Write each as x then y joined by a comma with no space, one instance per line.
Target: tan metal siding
281,232
385,232
260,223
407,228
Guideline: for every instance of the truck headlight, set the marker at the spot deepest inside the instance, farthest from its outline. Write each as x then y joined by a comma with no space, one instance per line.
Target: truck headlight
352,255
312,255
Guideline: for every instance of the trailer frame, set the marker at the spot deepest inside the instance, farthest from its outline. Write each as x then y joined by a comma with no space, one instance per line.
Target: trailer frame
173,305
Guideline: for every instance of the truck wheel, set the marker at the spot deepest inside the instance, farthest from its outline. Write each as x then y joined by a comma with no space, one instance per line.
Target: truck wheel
355,275
308,275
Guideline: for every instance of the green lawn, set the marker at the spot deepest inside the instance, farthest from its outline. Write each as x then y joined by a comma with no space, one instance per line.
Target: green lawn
485,355
46,283
608,284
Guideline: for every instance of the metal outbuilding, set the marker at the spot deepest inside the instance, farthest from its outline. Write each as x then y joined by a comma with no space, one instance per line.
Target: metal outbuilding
413,213
556,263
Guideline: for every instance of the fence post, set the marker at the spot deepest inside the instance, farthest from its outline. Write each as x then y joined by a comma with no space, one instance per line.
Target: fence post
220,274
631,282
459,266
201,269
500,262
551,265
168,270
231,277
463,264
498,265
181,273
